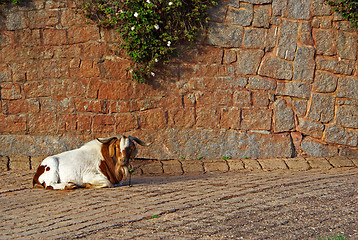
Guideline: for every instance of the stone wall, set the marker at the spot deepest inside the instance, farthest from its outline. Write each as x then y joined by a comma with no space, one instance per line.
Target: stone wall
272,78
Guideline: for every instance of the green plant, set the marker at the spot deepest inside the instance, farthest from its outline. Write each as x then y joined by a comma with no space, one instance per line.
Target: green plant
338,237
348,9
199,158
9,1
150,29
226,158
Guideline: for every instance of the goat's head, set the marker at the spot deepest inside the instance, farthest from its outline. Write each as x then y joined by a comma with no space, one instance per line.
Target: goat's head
122,148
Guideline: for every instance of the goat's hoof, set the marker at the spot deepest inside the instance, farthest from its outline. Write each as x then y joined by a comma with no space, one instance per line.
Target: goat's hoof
70,186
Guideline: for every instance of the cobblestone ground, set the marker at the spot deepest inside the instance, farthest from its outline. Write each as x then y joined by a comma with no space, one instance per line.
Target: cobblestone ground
234,205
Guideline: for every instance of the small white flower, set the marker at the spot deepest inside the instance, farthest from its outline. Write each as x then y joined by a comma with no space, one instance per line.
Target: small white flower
170,3
156,26
152,73
156,60
132,28
148,1
169,43
135,14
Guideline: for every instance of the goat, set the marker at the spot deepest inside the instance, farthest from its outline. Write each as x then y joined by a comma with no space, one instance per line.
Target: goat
97,164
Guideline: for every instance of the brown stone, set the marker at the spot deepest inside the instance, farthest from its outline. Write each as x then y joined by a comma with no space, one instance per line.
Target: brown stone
10,91
319,163
103,124
235,164
125,122
230,118
251,164
153,119
341,161
54,37
299,164
153,168
79,34
15,106
12,124
272,164
19,162
256,119
182,117
207,117
192,166
4,162
215,166
172,167
242,99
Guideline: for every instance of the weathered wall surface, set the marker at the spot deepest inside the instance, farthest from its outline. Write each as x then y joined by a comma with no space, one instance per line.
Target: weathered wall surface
273,78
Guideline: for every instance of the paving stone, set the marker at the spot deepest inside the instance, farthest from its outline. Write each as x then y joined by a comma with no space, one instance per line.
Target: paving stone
235,164
19,162
36,161
276,68
152,168
272,164
304,64
298,9
294,89
339,162
322,108
319,163
251,164
4,161
354,160
225,35
311,128
192,166
215,165
347,116
287,42
325,82
283,116
172,167
299,164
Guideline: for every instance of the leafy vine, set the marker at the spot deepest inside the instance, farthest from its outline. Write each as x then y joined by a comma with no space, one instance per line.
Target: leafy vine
348,9
150,29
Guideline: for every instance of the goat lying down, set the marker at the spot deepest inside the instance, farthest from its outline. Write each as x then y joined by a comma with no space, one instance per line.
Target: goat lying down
99,163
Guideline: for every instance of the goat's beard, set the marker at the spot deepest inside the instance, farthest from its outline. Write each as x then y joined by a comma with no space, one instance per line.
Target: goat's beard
122,173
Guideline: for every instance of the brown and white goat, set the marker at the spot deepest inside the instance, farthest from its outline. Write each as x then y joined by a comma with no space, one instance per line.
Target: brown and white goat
99,163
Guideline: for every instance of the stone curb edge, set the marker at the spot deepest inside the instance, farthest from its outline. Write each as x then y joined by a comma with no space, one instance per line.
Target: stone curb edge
175,167
199,166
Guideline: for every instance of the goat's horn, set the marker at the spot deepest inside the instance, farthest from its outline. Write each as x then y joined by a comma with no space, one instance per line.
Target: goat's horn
106,140
140,142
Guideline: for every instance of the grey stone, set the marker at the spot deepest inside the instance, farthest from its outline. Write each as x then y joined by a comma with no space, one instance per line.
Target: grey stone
320,8
304,64
345,26
300,107
324,42
262,16
283,117
347,45
306,38
242,16
311,128
332,65
347,116
248,61
254,38
217,13
15,20
260,83
298,9
322,108
322,22
287,42
294,89
242,98
325,82
276,68
279,7
271,39
339,135
224,35
314,148
348,87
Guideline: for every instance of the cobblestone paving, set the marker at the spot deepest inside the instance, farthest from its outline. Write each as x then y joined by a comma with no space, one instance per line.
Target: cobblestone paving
233,205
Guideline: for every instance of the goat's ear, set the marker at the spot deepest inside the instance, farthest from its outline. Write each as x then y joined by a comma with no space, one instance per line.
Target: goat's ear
111,150
106,140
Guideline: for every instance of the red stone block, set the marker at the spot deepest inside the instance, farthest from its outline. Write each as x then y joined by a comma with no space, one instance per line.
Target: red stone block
104,123
84,123
207,118
181,117
12,124
120,107
95,50
109,90
97,106
218,97
126,122
69,18
256,119
33,105
10,91
260,98
242,99
80,34
89,69
54,37
15,106
42,18
58,68
171,101
230,118
6,38
126,91
93,87
67,123
37,89
116,70
28,37
153,119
